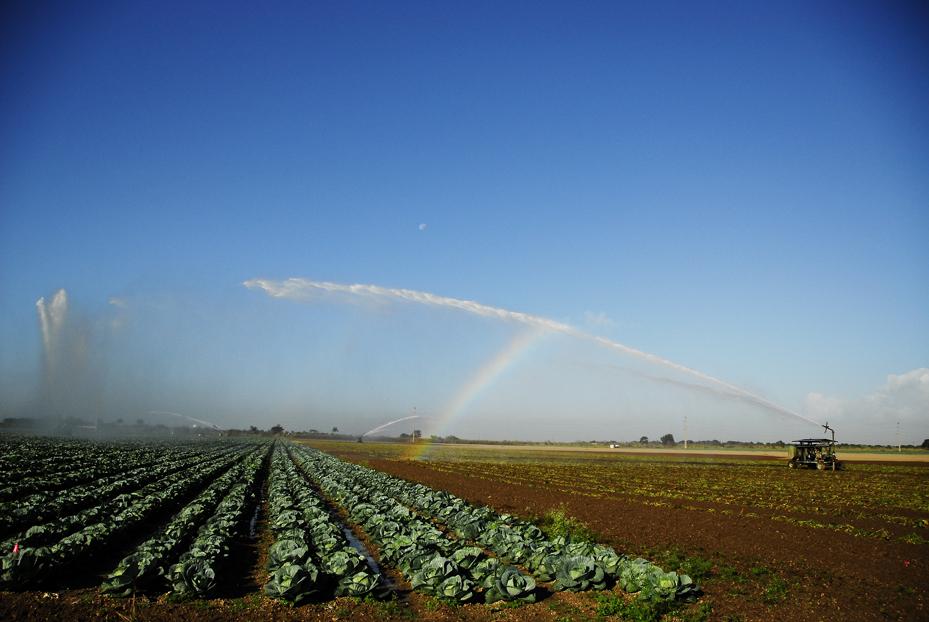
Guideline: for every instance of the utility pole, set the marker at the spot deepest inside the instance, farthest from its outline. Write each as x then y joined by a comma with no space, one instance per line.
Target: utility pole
899,448
685,431
413,428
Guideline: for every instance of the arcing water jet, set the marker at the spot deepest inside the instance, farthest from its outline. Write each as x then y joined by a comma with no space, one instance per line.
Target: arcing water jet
180,416
390,423
304,289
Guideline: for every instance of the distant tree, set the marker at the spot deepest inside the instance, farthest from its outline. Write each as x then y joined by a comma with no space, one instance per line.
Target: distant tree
404,435
334,429
277,429
314,431
643,440
668,440
253,429
925,444
140,421
417,433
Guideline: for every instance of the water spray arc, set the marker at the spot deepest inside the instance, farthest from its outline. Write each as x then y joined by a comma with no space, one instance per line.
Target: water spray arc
390,423
180,416
716,391
304,289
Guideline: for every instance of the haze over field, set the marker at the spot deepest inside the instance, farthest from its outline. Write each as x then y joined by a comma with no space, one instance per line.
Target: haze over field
535,222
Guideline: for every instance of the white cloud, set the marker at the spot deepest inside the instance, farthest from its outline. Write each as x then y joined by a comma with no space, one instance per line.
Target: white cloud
422,226
902,398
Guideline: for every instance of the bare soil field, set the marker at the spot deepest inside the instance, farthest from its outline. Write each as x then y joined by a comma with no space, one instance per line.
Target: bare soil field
848,455
766,542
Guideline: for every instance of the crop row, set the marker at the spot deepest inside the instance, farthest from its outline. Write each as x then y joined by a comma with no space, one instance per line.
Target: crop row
196,572
310,556
44,551
43,507
31,465
147,567
33,457
428,559
44,533
403,519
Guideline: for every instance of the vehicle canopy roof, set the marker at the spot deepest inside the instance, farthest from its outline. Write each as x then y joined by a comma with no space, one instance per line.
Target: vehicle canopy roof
814,441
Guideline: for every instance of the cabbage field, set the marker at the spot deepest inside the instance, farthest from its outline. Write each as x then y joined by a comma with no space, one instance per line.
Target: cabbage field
66,503
264,521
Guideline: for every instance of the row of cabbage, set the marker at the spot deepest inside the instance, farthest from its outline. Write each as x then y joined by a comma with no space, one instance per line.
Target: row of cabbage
44,460
374,498
310,556
38,554
36,464
429,560
187,554
44,506
573,566
46,533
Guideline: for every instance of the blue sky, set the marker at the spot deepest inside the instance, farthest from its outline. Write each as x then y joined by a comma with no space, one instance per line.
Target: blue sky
740,188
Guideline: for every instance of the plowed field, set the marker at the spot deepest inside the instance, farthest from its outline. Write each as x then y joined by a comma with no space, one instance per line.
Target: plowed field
763,540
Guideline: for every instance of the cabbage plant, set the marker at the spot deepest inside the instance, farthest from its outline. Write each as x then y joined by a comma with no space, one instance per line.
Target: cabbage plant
287,551
467,557
485,571
292,582
456,588
579,573
433,572
357,584
608,560
510,584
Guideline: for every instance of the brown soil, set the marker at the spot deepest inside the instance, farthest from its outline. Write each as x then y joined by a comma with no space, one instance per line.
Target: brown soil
88,606
830,575
846,456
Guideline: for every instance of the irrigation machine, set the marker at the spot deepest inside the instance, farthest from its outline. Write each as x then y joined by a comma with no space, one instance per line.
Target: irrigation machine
814,453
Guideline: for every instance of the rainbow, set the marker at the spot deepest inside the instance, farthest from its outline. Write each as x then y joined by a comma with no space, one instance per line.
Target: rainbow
478,383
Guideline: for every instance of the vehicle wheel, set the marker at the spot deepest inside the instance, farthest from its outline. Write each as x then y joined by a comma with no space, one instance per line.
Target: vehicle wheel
820,466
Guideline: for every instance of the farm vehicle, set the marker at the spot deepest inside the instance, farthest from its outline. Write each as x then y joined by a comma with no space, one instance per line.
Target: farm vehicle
818,453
